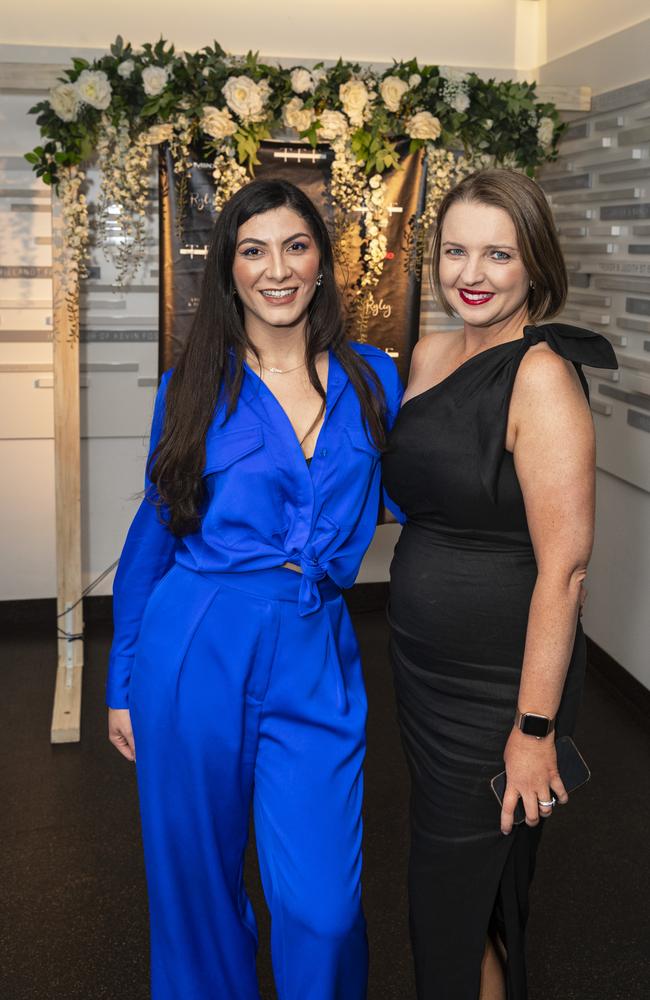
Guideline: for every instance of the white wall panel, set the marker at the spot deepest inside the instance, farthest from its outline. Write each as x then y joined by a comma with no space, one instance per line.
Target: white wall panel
616,612
112,477
27,519
573,25
473,32
26,409
614,61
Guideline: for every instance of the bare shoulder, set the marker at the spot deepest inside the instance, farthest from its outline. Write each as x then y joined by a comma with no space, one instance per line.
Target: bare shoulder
431,348
545,377
548,401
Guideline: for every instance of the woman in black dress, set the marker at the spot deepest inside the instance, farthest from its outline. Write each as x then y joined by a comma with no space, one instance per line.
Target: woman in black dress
492,461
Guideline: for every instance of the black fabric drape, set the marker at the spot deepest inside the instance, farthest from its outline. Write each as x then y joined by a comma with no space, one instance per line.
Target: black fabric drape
394,320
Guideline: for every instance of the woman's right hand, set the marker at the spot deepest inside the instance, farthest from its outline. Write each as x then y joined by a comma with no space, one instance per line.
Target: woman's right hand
120,733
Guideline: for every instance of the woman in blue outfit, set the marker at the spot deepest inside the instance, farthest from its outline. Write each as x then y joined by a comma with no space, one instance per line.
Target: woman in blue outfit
234,660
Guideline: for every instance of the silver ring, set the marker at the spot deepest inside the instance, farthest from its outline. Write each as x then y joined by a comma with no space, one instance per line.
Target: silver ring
547,805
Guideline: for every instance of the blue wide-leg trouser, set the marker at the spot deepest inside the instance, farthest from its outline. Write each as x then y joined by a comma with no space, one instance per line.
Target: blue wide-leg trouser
235,699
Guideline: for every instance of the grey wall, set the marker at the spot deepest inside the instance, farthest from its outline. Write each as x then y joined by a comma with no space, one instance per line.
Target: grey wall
600,194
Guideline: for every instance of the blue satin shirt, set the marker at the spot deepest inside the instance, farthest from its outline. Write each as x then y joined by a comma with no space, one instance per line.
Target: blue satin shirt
264,505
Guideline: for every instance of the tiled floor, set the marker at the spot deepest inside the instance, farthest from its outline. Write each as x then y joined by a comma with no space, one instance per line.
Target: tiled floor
73,914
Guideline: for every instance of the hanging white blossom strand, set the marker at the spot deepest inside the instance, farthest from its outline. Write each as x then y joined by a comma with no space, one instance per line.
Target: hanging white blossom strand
124,161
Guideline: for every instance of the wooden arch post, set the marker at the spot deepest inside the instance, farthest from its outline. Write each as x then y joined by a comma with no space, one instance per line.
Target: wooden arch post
66,713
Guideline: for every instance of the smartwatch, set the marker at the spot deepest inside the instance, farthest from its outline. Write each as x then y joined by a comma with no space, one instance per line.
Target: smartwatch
535,725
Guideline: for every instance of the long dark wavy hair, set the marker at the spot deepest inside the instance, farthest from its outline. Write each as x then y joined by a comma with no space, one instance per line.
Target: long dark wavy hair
212,361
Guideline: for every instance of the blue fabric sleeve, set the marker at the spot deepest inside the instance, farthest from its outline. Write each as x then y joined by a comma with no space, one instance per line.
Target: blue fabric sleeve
148,553
394,391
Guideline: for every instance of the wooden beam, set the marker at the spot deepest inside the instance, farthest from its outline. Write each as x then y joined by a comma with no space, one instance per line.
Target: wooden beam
566,98
66,713
37,77
29,78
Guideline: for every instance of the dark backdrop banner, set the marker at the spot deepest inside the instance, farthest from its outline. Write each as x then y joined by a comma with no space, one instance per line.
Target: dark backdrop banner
393,315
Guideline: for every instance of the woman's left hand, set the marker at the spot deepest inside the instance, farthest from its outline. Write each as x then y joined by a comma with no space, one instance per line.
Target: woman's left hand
532,775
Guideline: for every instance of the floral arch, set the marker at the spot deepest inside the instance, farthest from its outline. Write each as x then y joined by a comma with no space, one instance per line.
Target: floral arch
224,106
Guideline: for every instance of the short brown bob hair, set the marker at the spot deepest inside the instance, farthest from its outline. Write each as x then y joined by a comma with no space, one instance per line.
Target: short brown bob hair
526,205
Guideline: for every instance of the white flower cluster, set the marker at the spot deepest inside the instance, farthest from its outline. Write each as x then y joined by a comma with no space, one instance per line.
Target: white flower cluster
423,125
376,219
444,171
229,175
455,89
305,81
392,91
218,123
65,102
154,80
348,179
545,131
91,87
247,98
295,115
333,125
74,249
355,98
124,164
180,143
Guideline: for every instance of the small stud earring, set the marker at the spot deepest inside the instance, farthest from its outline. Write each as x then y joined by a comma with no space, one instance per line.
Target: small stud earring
532,284
319,280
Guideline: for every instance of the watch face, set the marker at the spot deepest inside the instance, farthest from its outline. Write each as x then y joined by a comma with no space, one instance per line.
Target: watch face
534,725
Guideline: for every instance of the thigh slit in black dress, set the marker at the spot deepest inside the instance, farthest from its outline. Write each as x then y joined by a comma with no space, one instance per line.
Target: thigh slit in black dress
461,583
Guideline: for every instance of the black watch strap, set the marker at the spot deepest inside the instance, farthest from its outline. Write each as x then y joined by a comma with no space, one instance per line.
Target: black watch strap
532,724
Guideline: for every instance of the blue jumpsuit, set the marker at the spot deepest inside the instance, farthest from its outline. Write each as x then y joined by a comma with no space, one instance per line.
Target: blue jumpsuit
244,685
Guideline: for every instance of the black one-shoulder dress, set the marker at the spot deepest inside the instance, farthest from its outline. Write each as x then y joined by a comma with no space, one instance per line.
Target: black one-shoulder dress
461,583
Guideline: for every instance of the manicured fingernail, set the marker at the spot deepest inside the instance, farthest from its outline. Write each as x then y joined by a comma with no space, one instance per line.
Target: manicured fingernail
505,833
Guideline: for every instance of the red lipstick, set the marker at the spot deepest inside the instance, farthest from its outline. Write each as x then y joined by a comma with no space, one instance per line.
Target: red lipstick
475,298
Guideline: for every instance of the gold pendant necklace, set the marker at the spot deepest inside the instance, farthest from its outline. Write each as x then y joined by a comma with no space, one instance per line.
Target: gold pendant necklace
283,371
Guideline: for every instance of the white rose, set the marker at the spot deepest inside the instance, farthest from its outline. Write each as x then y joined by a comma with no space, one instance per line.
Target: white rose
64,101
154,80
264,88
126,68
460,101
545,131
414,81
217,122
392,91
318,75
354,97
452,75
158,133
423,125
375,181
332,125
243,96
294,115
302,81
93,88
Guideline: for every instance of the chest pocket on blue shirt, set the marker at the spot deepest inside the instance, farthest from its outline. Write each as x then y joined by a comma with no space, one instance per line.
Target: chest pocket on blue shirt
361,442
360,460
242,501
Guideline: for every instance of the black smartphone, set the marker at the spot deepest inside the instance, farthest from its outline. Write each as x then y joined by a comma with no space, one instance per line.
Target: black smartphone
571,765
